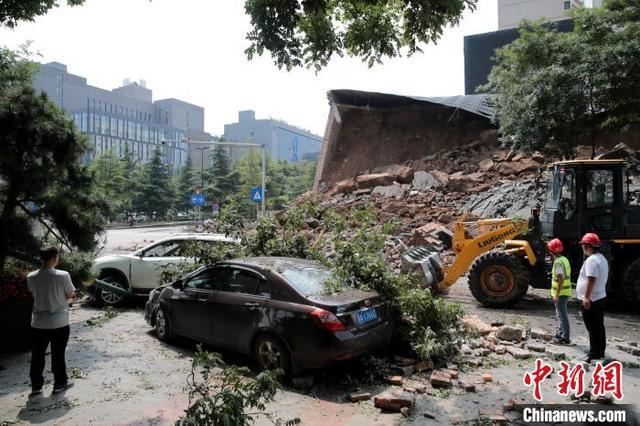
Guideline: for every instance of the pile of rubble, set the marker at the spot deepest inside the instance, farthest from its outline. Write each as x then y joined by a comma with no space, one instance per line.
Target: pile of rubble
494,342
425,197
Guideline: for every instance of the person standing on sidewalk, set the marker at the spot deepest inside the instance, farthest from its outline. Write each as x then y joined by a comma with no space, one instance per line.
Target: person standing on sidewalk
560,290
591,290
51,289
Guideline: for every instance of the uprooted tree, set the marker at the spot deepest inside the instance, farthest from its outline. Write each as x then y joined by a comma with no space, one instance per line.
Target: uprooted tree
554,90
41,177
310,32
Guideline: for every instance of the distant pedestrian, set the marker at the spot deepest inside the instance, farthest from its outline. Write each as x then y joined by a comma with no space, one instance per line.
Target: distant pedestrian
591,290
560,290
51,289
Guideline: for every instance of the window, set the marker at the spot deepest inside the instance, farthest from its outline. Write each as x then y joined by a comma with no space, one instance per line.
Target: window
171,248
308,280
240,281
599,188
264,288
114,127
205,280
104,128
567,5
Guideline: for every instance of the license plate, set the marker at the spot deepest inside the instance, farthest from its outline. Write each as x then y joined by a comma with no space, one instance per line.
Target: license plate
366,316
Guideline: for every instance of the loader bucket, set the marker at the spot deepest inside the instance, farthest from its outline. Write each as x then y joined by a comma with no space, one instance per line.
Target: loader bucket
428,261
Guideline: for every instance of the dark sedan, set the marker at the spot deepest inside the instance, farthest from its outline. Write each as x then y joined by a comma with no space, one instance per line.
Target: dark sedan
275,309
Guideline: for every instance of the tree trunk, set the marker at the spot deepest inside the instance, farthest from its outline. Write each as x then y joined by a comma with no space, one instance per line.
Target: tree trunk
8,211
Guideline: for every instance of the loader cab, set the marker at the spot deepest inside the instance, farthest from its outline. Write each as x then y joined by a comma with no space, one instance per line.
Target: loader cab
590,196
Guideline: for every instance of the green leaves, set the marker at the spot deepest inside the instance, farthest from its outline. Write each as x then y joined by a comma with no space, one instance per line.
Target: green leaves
13,11
554,91
310,32
221,394
40,154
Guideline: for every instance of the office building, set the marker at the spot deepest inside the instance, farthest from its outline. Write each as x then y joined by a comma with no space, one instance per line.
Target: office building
125,118
512,12
283,141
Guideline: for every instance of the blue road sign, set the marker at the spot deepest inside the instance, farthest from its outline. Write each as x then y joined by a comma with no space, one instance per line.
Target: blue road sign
197,199
256,194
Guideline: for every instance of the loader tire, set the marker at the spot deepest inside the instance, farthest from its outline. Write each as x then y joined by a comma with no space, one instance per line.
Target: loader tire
631,283
499,280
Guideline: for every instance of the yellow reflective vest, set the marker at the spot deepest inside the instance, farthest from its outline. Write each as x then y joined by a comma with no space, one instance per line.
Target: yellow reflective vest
566,286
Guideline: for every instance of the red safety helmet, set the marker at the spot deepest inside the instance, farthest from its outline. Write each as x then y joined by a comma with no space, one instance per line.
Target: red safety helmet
555,246
591,239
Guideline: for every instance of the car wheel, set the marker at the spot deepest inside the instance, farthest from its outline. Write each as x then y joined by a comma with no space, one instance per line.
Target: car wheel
162,326
271,353
108,298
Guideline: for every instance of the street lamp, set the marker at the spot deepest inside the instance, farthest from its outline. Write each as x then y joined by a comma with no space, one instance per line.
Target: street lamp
202,150
240,144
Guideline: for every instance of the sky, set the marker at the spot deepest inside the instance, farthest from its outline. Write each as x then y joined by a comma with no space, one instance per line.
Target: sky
193,50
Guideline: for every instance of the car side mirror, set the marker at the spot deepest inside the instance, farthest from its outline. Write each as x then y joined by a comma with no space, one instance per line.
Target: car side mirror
179,284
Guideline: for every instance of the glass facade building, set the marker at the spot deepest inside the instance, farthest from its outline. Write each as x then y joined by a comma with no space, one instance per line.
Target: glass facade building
125,119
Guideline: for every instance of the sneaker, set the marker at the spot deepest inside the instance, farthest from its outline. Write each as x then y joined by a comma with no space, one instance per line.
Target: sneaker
63,387
35,391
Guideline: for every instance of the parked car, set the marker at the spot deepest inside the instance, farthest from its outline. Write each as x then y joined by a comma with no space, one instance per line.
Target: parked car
274,309
140,271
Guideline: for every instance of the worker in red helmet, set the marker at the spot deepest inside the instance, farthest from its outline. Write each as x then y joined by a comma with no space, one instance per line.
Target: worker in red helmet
591,290
560,290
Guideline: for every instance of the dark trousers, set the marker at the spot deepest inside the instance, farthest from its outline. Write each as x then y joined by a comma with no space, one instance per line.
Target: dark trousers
40,339
594,321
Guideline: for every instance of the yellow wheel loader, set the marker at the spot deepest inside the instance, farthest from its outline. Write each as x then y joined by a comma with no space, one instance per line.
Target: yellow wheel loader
503,257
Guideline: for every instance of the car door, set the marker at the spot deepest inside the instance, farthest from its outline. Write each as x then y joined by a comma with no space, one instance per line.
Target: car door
236,308
191,306
146,268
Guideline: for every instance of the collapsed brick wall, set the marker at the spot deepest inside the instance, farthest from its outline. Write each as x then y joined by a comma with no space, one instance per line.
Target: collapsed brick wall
361,139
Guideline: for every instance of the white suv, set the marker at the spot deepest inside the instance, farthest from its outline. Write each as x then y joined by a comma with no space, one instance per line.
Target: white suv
140,272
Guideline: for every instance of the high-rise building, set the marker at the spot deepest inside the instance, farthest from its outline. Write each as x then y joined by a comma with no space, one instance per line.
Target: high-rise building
124,118
511,12
283,141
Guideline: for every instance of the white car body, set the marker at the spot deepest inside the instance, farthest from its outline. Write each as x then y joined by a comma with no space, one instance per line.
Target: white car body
142,268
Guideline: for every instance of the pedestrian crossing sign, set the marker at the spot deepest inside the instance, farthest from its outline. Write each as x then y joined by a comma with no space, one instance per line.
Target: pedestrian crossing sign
256,194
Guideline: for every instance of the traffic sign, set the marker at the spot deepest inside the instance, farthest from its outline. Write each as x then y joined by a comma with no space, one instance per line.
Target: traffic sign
215,208
197,199
256,194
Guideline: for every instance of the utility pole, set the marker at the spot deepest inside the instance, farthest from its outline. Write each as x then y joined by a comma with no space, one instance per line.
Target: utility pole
202,150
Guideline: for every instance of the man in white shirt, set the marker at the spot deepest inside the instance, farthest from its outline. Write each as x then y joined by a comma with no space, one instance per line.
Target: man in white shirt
591,291
51,289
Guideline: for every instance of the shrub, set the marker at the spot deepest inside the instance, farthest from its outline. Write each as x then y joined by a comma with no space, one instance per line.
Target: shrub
227,396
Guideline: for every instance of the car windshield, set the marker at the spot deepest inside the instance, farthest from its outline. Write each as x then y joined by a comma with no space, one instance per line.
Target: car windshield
307,280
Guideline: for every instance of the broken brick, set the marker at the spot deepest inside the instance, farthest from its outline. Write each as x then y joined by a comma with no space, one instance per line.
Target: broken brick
394,401
536,347
510,333
361,396
394,380
440,379
519,353
486,378
468,387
